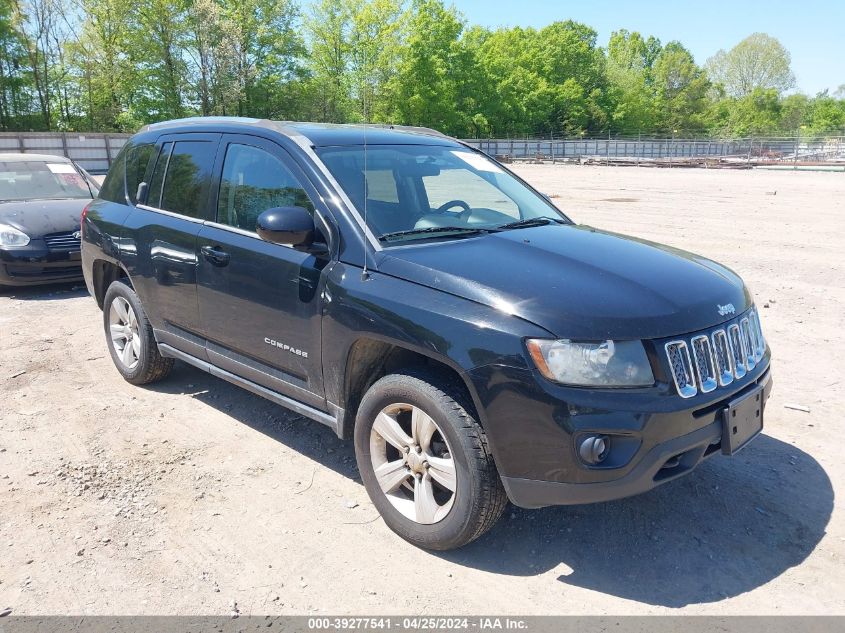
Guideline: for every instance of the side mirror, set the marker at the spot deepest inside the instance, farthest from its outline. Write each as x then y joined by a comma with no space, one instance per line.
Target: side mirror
290,226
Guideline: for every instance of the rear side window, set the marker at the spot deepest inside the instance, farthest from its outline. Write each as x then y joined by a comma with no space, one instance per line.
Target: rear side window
187,177
113,186
137,160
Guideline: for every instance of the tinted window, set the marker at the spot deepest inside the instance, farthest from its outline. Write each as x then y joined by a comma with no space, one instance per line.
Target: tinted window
157,179
113,186
137,160
187,177
254,181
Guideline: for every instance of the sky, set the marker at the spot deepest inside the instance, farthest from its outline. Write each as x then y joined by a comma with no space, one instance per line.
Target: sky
813,31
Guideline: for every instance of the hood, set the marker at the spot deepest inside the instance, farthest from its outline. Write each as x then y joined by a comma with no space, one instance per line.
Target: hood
41,217
578,282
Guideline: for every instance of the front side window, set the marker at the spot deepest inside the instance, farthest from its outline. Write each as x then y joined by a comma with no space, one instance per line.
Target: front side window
187,177
409,192
254,181
40,180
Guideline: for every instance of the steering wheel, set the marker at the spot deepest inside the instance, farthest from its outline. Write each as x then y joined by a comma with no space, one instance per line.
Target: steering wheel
462,215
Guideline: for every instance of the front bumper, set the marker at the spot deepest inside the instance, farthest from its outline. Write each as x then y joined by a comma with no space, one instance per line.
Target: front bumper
533,428
35,264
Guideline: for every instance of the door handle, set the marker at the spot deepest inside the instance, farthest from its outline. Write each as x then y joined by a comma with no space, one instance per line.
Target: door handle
215,255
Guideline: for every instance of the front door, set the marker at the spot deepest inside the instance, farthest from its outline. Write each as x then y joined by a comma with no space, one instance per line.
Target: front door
259,302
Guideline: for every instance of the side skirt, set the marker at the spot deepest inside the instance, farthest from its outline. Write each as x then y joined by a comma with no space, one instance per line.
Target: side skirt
332,421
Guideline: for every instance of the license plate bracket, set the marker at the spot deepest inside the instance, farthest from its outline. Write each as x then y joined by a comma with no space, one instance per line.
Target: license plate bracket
742,420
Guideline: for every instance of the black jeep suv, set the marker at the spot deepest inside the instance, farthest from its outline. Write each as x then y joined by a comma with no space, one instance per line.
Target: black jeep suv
413,294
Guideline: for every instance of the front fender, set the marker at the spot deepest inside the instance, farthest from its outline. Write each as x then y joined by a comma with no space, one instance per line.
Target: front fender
457,332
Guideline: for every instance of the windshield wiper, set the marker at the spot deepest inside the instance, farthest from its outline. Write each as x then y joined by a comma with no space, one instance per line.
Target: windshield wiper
529,222
463,230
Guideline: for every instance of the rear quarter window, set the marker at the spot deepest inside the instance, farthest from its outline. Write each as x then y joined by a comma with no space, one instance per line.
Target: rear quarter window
137,160
114,189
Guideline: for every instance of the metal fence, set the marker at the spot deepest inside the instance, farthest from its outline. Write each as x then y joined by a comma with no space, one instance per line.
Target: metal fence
675,151
93,151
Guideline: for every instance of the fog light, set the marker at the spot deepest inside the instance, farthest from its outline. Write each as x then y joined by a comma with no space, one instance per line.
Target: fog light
593,449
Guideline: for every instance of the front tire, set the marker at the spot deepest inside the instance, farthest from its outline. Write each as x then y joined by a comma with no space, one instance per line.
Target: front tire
425,461
130,338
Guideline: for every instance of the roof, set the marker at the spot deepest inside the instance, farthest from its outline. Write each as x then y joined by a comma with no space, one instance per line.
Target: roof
318,134
17,157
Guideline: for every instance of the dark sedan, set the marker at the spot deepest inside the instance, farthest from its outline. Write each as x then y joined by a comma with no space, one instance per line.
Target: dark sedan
41,200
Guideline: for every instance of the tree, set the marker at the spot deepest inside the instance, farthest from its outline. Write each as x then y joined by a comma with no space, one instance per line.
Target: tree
759,61
329,25
268,50
426,84
103,55
14,80
214,54
630,63
375,50
547,81
158,39
681,89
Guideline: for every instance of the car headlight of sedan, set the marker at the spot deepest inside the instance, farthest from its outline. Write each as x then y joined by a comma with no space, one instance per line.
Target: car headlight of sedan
598,364
10,236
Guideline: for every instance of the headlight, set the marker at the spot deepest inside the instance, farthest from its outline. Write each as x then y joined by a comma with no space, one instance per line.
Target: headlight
10,236
602,364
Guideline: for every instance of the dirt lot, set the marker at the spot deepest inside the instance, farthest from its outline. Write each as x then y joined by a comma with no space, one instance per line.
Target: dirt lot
192,495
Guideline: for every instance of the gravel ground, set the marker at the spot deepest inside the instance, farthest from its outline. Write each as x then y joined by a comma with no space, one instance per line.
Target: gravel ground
194,497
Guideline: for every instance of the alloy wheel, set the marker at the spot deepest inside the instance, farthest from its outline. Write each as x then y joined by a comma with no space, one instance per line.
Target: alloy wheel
123,330
413,463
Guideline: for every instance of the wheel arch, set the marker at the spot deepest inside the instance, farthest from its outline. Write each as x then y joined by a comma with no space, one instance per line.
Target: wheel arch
371,357
103,273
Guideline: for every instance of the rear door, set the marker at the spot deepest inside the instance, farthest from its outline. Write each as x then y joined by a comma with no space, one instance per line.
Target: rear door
260,302
162,232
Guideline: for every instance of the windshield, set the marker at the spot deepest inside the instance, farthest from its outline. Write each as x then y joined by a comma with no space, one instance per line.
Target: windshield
28,180
412,191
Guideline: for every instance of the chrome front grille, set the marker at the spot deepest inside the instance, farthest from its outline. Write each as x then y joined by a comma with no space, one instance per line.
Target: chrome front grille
62,241
709,361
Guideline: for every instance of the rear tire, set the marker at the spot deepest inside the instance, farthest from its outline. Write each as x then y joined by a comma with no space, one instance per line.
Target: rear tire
412,488
130,338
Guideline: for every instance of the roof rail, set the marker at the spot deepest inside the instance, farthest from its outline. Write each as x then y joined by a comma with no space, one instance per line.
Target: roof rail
410,128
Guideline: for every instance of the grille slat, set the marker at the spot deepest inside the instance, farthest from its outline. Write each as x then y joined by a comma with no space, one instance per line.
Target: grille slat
747,344
736,351
724,359
727,354
705,366
679,359
62,241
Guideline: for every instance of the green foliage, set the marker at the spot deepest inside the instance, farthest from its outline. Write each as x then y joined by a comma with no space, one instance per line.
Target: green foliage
758,62
118,64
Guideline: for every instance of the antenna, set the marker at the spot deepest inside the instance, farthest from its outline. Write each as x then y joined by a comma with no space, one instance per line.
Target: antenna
365,275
